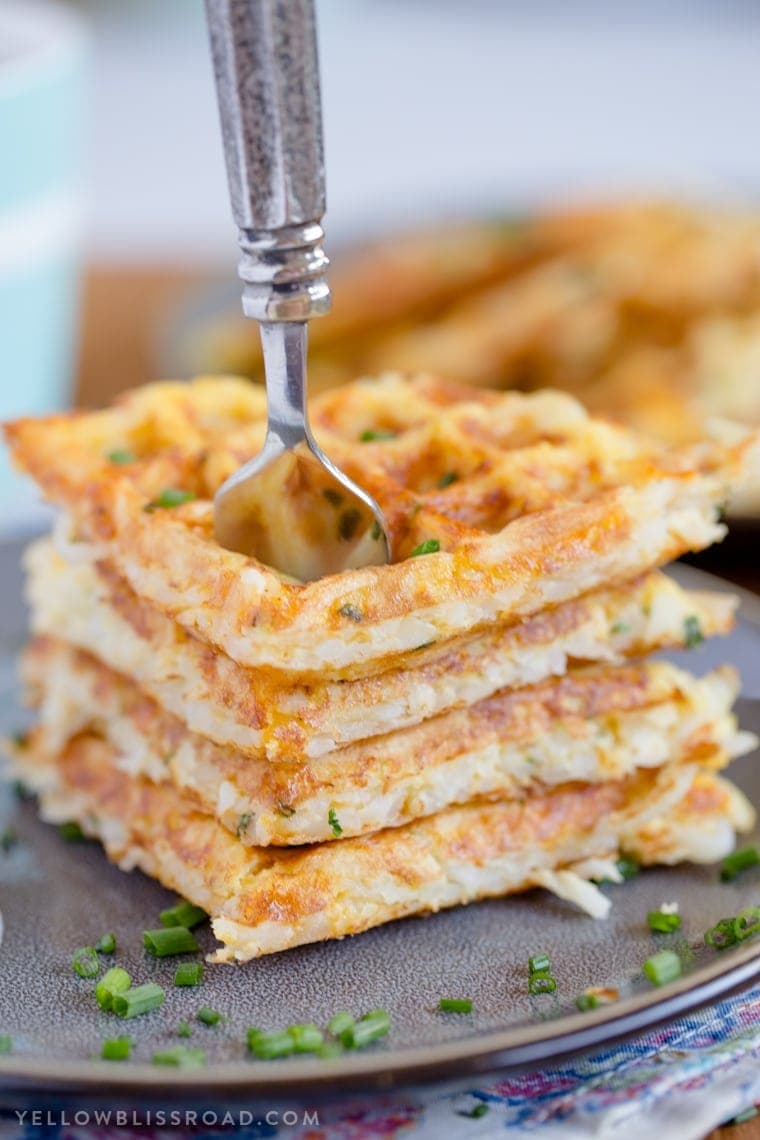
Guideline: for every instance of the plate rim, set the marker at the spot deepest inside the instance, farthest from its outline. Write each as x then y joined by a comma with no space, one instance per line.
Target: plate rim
499,1051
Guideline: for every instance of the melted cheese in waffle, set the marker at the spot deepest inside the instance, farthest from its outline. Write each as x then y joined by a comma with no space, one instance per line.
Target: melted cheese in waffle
532,502
591,725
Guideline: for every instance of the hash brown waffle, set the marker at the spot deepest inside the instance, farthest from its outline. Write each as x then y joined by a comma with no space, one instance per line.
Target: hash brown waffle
589,726
530,500
265,713
266,899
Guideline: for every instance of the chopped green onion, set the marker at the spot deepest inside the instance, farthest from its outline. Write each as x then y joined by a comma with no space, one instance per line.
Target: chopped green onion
474,1113
539,964
455,1005
627,868
307,1038
8,840
747,923
662,922
141,999
286,811
692,632
330,1049
181,1056
370,435
447,479
243,823
114,981
663,967
189,974
619,627
541,983
6,1044
85,962
429,546
353,613
334,822
721,935
169,497
183,914
116,1049
367,1029
71,832
269,1046
340,1022
739,861
166,941
587,1001
120,456
209,1016
376,531
184,1030
106,944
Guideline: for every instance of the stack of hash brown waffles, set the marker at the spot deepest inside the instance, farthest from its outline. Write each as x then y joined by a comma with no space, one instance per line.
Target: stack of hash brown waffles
478,718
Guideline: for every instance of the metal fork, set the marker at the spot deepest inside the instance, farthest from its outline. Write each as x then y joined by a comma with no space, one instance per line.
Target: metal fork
290,506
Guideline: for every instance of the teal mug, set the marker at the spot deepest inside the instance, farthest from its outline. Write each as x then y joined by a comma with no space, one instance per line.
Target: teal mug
43,68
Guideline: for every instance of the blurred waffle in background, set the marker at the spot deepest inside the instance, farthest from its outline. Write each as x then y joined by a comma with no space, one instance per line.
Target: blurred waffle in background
648,311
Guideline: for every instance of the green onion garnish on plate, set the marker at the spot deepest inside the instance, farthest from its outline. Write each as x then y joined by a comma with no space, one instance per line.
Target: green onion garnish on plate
189,974
340,1022
6,1044
721,935
114,981
663,922
85,962
137,1001
116,1049
627,868
455,1005
184,1030
270,1046
367,1029
169,940
739,861
747,923
541,982
587,1001
181,1057
307,1038
71,832
106,944
183,914
334,823
209,1016
539,964
663,967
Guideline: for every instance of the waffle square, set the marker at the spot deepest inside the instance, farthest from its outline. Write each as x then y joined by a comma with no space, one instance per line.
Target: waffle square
530,500
269,714
264,900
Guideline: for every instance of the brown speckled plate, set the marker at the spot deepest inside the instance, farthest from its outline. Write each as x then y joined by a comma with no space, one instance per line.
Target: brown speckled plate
56,896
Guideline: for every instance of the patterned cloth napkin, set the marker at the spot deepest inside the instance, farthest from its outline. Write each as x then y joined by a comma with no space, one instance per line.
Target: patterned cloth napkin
679,1082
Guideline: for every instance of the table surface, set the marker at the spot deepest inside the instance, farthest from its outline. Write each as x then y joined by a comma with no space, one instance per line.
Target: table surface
124,312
